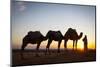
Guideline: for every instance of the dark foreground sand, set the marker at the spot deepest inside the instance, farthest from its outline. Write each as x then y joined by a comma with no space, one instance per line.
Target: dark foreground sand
68,56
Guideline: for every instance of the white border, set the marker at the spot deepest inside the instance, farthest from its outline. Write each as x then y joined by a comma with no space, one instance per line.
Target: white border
4,33
87,2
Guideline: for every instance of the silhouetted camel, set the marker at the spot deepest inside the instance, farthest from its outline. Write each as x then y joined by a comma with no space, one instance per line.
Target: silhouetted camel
56,36
72,35
34,38
85,43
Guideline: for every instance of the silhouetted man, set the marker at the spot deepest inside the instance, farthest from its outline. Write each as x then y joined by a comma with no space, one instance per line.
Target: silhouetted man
85,43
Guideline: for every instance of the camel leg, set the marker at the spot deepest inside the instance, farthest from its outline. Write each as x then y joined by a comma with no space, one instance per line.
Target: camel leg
59,46
37,48
73,44
65,44
76,45
48,45
22,49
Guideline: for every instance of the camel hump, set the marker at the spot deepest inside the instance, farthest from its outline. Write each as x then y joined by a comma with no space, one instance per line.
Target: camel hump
59,31
52,33
72,31
34,34
55,33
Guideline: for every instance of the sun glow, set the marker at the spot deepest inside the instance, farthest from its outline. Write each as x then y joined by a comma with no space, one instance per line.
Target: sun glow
80,45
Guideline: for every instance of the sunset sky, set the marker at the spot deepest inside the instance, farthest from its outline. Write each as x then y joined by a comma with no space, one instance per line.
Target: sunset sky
35,16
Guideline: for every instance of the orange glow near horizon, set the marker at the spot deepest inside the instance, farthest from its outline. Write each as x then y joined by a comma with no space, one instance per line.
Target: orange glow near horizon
54,44
80,45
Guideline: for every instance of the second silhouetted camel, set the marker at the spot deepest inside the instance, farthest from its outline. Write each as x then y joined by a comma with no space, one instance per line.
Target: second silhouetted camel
56,36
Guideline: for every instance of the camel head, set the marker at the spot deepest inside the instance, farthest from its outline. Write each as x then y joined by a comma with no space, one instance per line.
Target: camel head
48,34
81,34
43,37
